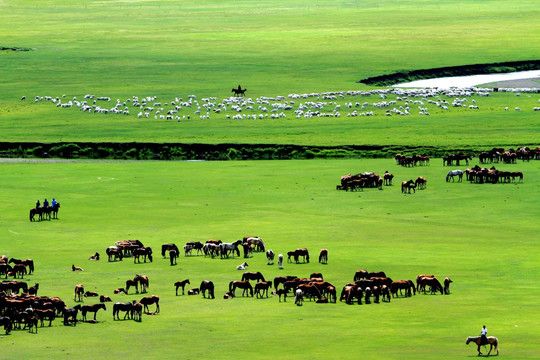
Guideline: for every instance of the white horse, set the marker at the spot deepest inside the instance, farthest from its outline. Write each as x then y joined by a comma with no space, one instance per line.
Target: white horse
453,173
226,247
298,297
242,266
280,261
270,257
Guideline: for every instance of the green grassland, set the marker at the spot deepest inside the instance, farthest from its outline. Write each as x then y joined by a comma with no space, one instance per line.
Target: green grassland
172,49
482,236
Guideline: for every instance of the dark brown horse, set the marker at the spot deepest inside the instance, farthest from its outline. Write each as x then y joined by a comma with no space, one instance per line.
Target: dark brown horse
245,285
130,283
34,212
127,307
173,255
262,287
400,285
282,279
168,247
420,183
149,300
79,291
207,285
406,186
144,251
25,262
249,275
114,253
181,284
70,314
323,256
143,282
388,178
91,308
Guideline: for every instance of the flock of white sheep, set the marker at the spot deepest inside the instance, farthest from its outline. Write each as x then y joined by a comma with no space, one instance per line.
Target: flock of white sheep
403,102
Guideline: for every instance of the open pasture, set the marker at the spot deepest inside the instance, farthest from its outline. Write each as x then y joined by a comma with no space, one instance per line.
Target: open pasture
481,236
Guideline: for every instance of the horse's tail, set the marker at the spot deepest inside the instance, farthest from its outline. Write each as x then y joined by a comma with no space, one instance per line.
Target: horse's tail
231,286
496,344
31,266
31,211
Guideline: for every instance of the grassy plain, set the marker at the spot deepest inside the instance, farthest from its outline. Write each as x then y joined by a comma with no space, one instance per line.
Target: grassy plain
482,236
122,49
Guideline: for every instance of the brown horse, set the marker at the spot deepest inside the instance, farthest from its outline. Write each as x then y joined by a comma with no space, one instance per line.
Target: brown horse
143,282
168,247
400,285
282,279
361,274
137,311
420,183
91,308
388,178
207,285
492,341
245,285
18,269
114,253
181,284
76,268
281,292
130,283
323,256
301,252
79,291
144,251
70,314
447,282
149,300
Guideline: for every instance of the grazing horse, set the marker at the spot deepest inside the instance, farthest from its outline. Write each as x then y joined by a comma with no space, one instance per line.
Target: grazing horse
79,291
323,256
492,341
34,212
298,297
207,285
18,269
297,253
32,290
127,307
420,183
181,284
168,247
114,253
245,285
45,314
137,311
451,174
280,261
91,308
149,300
269,257
406,186
447,282
225,248
173,255
197,245
361,274
252,276
6,322
262,287
248,250
239,91
282,280
25,262
281,292
144,251
71,313
400,285
143,282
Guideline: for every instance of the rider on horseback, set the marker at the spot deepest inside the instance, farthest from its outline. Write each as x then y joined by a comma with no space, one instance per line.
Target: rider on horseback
53,203
45,203
483,334
38,204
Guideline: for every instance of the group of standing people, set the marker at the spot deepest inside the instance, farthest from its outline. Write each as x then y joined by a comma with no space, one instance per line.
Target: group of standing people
46,203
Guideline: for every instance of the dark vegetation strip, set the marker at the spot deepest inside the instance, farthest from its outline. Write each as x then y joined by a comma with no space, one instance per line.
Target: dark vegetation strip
5,48
178,151
463,70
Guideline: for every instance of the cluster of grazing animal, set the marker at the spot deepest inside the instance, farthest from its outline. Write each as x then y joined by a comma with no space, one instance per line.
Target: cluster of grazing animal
360,181
296,254
414,160
423,281
212,248
79,291
95,256
126,247
420,183
257,242
181,284
406,186
26,263
492,176
450,159
453,173
207,286
323,256
193,245
76,268
269,257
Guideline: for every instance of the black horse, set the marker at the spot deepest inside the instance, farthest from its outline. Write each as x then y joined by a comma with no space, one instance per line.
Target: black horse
207,285
239,91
